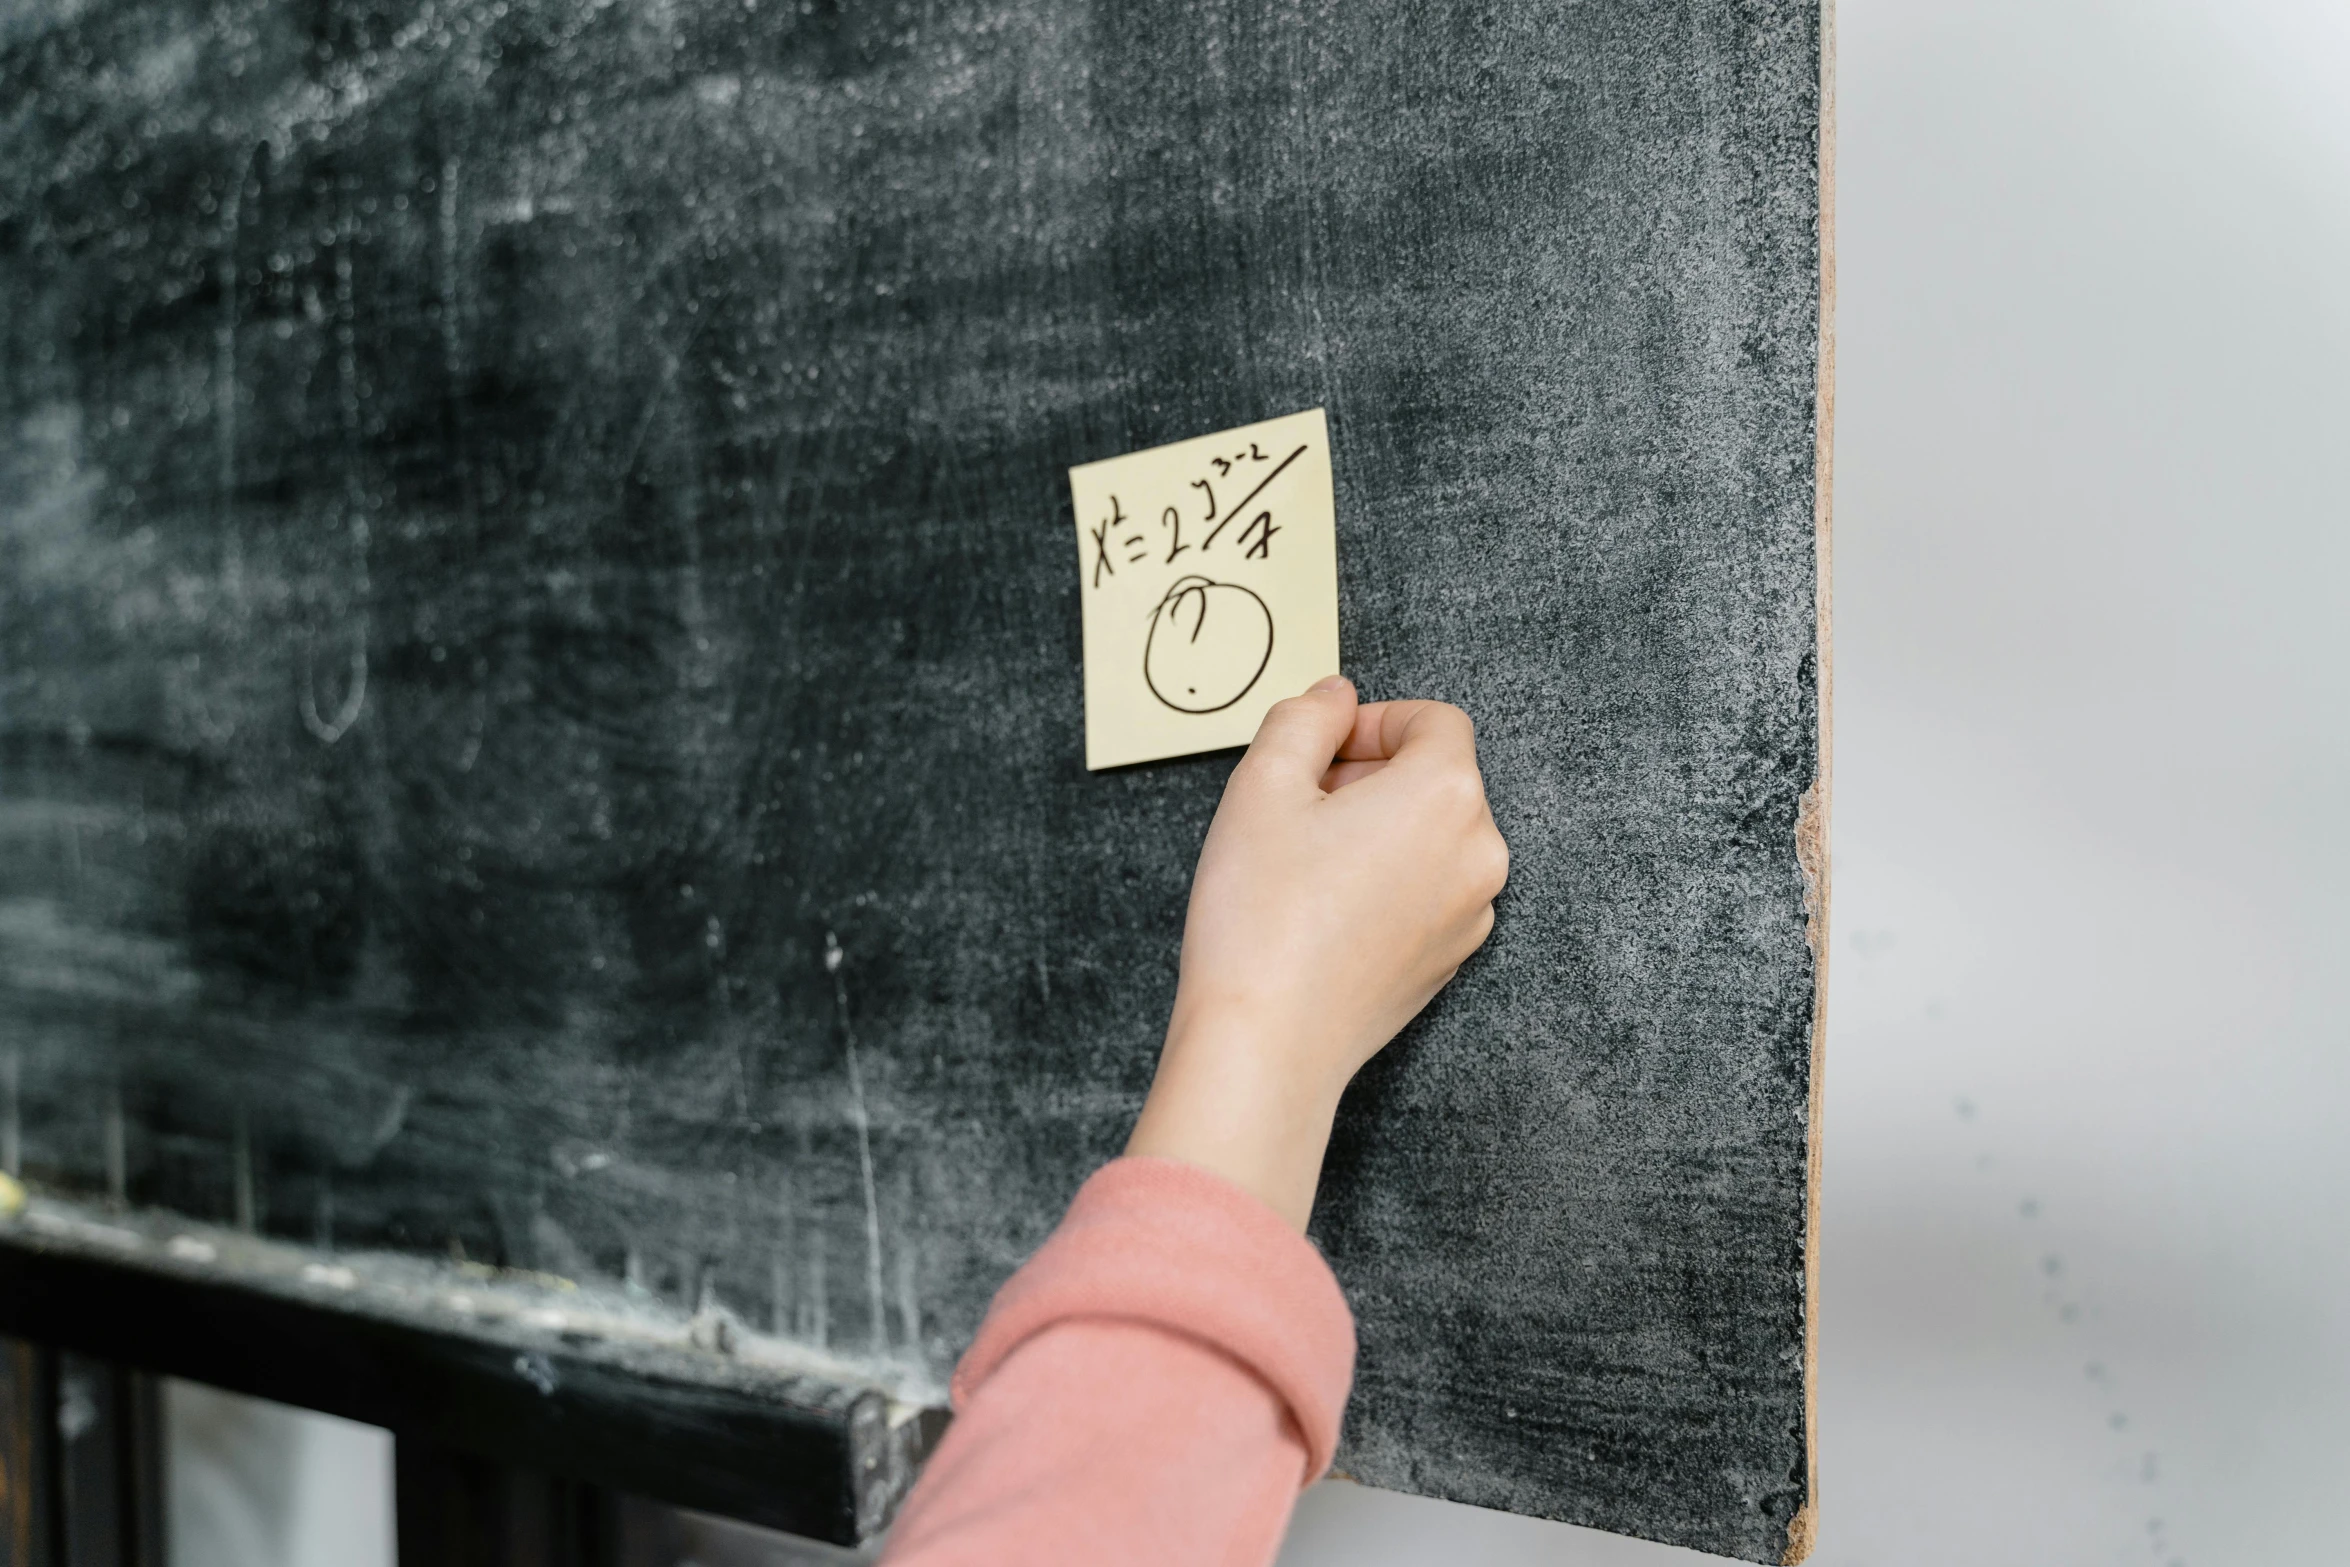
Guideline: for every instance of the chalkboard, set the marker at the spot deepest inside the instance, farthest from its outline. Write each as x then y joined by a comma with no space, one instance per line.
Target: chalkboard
540,724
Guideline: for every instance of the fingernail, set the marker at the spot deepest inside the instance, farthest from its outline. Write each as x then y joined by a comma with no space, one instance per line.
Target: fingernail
1328,683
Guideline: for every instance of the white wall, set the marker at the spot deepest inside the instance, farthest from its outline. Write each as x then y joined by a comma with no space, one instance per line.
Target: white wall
255,1484
2085,1250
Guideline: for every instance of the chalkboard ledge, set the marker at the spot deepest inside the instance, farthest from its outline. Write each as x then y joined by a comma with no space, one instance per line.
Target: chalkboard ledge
522,1368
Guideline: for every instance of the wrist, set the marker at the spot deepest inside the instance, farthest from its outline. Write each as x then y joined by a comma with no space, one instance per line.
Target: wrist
1281,1059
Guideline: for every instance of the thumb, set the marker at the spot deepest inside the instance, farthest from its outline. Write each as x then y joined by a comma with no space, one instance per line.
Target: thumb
1298,738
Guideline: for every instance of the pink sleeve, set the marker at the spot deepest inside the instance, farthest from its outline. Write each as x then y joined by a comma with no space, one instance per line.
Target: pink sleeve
1155,1386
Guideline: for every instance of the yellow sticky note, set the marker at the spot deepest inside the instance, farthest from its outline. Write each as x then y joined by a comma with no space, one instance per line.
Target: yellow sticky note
1209,574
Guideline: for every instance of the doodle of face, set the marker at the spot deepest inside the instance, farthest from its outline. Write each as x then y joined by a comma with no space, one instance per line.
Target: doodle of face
1209,641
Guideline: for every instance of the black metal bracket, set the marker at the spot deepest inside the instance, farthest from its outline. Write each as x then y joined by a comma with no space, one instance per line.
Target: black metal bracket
81,1461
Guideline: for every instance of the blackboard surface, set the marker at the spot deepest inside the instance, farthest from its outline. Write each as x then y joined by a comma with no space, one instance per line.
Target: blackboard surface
539,692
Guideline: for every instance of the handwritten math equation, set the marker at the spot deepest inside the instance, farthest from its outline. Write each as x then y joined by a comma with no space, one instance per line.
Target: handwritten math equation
1119,539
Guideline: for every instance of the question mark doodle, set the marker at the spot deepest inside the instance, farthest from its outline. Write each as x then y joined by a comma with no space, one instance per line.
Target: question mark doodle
1208,643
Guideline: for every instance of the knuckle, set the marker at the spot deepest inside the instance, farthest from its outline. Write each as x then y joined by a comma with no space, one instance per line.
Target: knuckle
1280,718
1460,788
1493,864
1458,720
1480,928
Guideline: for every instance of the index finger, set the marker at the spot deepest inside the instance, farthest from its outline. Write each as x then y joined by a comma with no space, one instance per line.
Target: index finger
1383,731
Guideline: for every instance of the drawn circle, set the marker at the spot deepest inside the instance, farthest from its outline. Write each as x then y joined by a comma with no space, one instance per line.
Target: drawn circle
1208,643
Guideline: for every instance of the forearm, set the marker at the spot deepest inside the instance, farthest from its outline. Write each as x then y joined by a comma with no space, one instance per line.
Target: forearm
1248,1108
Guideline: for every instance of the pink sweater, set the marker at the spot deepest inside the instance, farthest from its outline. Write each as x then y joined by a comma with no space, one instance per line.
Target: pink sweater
1154,1387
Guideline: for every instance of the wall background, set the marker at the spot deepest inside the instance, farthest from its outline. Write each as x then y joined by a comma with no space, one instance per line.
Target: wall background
2087,1220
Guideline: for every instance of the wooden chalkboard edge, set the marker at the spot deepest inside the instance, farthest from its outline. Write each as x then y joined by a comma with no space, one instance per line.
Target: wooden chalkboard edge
1812,825
823,1461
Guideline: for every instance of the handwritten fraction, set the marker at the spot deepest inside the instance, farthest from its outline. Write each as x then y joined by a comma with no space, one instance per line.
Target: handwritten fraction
1209,584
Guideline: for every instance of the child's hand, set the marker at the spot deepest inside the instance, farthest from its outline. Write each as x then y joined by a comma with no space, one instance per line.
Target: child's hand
1351,868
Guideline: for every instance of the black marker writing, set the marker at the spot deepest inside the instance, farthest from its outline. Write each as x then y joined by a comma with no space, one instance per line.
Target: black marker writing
1101,553
1101,542
1208,643
1210,540
1262,526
